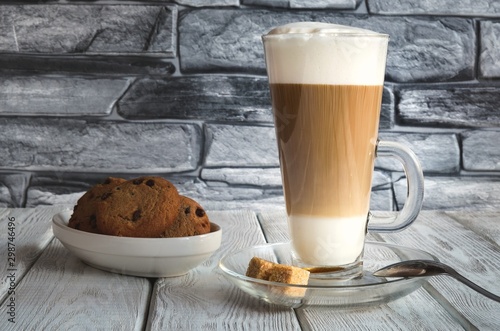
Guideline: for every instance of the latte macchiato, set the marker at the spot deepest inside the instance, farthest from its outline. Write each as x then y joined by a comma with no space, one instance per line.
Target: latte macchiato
327,164
326,87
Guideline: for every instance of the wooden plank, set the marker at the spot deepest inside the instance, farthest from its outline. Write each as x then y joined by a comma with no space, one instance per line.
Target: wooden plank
25,240
419,310
59,292
471,254
205,300
484,223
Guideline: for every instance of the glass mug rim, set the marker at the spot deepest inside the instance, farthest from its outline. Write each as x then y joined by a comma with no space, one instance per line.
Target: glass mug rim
336,35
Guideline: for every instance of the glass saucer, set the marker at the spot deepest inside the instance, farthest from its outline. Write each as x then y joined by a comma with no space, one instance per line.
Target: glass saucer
362,291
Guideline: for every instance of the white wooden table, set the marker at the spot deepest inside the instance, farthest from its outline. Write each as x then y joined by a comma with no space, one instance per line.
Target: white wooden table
47,288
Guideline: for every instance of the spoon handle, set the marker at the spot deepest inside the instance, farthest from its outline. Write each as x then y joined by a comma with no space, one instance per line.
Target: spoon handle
453,273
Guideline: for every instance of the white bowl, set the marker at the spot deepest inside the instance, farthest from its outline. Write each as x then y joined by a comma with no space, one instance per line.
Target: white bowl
145,257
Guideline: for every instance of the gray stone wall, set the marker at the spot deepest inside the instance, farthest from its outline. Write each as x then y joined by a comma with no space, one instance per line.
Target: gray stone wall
178,89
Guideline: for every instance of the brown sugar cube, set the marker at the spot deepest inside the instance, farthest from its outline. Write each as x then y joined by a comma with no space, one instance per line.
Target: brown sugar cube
288,274
259,268
274,272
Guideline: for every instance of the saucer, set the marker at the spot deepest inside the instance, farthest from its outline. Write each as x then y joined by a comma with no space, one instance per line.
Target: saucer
364,290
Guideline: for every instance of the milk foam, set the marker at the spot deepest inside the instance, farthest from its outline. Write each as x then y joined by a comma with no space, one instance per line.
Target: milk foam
322,53
322,241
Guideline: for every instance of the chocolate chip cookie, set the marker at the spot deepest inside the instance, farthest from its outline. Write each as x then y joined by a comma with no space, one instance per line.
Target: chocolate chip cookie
84,213
140,207
191,220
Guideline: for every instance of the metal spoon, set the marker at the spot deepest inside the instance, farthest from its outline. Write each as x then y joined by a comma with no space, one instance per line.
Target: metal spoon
421,268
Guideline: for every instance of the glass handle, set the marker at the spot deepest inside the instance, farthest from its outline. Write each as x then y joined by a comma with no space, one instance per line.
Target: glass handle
414,183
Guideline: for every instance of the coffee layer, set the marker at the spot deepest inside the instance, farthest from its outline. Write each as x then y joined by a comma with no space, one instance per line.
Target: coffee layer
326,140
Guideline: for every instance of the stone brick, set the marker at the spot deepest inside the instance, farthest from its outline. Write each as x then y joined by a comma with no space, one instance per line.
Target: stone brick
71,65
437,153
337,4
263,177
63,96
231,198
62,187
442,7
5,198
382,200
12,189
420,49
480,150
450,106
266,177
213,97
230,178
210,3
257,202
38,196
243,146
267,3
429,49
74,145
381,197
222,40
456,193
208,97
489,53
56,188
381,180
225,197
387,115
88,29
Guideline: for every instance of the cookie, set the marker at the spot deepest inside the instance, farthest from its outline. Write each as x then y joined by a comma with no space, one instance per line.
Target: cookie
140,207
84,212
191,220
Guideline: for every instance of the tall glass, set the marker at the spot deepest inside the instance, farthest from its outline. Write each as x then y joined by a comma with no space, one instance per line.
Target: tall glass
326,86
